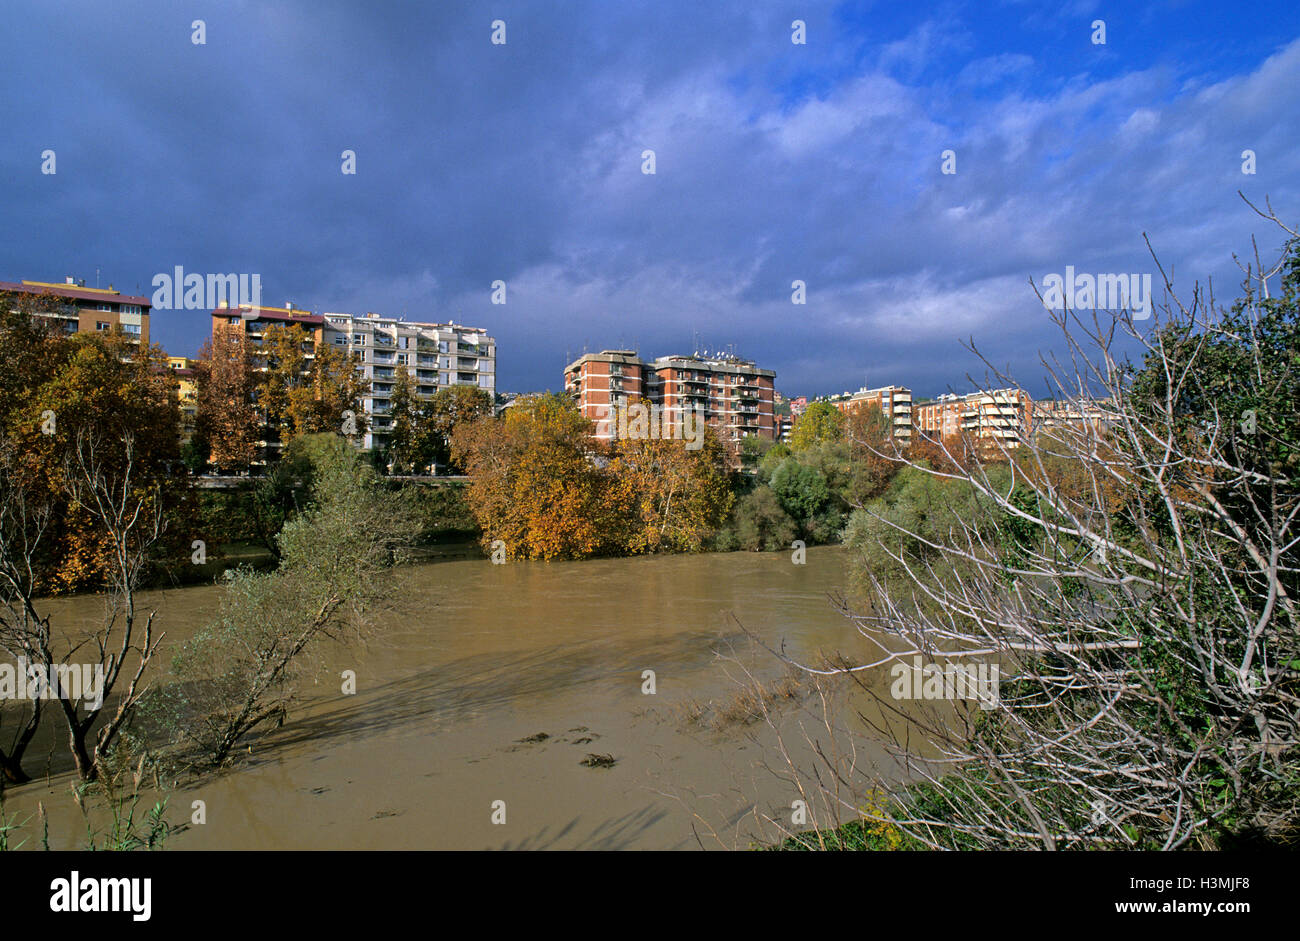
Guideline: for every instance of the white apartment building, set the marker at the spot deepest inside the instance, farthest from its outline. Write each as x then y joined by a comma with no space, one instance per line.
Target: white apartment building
436,355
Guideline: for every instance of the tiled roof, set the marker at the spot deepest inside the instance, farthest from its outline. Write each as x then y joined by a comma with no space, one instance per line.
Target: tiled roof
73,292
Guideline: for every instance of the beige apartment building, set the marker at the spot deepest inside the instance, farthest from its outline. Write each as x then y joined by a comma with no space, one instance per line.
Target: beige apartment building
1004,416
894,401
1096,413
90,310
435,356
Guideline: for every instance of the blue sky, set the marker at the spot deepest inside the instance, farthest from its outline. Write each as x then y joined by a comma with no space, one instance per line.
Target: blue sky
775,162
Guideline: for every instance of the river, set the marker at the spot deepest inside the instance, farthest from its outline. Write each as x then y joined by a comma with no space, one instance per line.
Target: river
476,662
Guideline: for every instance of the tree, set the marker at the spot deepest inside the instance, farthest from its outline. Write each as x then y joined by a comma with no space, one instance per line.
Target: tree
100,477
535,487
410,443
422,427
669,497
88,444
801,489
874,452
821,421
308,395
101,388
238,676
760,523
1142,605
31,347
449,409
752,449
226,422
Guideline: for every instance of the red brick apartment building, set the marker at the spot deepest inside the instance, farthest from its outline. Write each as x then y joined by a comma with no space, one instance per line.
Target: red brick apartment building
600,383
734,395
87,310
940,418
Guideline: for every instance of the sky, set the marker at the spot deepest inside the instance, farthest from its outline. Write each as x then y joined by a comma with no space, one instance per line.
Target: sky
774,161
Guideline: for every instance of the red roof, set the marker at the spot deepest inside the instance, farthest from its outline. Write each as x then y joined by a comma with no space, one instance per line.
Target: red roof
73,292
272,313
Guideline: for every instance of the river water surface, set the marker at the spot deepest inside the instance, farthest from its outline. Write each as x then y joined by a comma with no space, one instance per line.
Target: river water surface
475,659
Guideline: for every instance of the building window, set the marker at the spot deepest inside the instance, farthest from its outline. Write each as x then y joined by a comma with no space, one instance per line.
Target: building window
100,325
132,328
104,307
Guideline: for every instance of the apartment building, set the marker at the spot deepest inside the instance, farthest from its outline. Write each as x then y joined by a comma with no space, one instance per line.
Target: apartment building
1097,413
89,310
734,395
894,401
999,416
251,323
187,393
599,382
436,356
1003,416
938,418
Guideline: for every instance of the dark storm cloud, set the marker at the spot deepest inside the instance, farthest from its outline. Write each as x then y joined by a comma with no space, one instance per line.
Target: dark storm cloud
522,162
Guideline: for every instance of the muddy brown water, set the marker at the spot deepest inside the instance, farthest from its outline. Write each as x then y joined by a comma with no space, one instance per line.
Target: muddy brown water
477,662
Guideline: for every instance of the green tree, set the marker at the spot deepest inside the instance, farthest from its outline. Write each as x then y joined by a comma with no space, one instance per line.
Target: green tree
821,421
238,676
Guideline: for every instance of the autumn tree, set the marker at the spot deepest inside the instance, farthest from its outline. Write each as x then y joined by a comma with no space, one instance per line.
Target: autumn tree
666,496
308,387
107,387
873,450
227,421
448,409
31,347
535,487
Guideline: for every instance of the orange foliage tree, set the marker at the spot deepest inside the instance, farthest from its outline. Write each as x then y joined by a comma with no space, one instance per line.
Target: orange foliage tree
668,497
227,421
308,387
547,489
